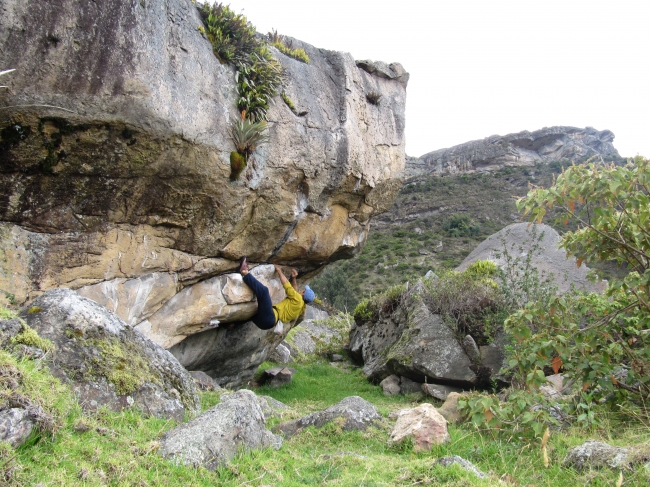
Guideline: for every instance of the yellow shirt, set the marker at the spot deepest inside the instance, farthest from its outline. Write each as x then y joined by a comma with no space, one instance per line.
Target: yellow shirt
290,307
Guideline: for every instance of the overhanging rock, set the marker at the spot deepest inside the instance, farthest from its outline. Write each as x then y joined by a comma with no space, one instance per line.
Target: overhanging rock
114,162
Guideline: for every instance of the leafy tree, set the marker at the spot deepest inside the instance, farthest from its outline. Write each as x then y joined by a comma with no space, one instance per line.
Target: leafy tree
602,340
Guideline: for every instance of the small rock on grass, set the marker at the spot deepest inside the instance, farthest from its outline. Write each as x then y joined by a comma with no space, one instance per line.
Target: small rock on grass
450,408
596,454
424,424
357,414
465,464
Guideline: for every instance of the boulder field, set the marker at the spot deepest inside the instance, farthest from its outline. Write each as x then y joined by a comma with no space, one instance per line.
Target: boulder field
114,164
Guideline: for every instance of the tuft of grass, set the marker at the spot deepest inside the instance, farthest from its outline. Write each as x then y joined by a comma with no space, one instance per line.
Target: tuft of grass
29,337
298,54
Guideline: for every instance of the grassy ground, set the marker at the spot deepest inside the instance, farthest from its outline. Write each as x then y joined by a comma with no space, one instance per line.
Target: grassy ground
120,449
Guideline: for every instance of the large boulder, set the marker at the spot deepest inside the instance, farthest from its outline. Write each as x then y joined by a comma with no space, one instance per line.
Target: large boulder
114,163
106,361
541,242
212,439
414,343
519,149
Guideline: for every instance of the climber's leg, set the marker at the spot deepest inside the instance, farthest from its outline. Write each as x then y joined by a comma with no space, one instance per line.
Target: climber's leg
265,317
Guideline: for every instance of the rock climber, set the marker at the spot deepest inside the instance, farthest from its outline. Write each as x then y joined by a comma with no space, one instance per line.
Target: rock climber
270,315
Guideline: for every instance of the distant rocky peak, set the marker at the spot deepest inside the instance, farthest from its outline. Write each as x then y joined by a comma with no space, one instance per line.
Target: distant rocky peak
520,149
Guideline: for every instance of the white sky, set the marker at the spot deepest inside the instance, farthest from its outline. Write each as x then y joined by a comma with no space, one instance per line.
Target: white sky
484,67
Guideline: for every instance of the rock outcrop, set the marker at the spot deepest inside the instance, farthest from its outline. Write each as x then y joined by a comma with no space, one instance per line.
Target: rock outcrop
520,149
541,242
107,362
114,164
412,343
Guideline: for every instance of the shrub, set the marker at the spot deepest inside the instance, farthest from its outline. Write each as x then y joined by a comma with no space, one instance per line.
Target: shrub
460,226
373,97
380,305
601,341
467,302
482,268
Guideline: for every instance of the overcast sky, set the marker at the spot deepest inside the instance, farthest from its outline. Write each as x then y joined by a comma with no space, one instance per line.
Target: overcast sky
485,67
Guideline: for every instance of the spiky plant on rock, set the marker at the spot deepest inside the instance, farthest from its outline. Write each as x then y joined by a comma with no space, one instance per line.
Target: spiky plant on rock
247,136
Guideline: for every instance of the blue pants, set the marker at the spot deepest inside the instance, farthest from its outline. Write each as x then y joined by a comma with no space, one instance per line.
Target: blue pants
265,318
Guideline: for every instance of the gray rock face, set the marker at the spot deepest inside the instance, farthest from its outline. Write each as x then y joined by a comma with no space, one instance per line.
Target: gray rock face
301,343
16,424
390,385
356,412
203,381
519,239
229,354
439,391
214,438
413,343
271,407
106,361
520,149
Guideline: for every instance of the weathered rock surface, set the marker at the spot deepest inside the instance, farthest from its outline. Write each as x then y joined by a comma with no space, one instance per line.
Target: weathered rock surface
450,408
390,385
519,239
357,414
203,381
123,191
439,391
281,355
424,424
230,354
16,424
106,361
214,438
207,304
596,454
271,407
520,149
411,342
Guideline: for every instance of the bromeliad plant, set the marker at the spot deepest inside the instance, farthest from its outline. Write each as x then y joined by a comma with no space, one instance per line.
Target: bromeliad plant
235,42
247,136
258,76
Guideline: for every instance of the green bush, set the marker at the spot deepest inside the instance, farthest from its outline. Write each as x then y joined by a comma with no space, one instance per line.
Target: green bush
383,304
601,341
460,226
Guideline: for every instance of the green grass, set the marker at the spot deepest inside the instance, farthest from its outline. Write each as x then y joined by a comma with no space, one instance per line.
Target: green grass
120,449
